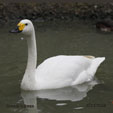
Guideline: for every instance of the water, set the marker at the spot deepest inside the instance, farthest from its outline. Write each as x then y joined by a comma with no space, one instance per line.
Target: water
69,38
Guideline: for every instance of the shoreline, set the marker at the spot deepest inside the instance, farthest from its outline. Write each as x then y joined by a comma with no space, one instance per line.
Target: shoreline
54,11
59,1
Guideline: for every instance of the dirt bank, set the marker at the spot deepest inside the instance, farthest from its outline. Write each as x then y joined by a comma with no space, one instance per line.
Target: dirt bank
59,1
42,11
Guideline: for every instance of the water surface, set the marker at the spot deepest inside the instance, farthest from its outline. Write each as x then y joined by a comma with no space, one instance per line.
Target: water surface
69,38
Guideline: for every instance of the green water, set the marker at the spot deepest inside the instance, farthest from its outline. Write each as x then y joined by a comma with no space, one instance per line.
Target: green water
69,38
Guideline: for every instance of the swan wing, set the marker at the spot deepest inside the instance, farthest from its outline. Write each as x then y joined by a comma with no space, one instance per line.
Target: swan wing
62,71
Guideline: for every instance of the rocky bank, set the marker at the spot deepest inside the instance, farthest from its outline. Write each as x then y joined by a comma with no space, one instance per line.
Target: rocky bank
54,11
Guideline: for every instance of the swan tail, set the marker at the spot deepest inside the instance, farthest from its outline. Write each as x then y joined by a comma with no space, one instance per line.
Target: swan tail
95,64
87,76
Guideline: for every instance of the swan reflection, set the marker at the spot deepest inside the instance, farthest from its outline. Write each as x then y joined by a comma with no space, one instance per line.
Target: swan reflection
75,93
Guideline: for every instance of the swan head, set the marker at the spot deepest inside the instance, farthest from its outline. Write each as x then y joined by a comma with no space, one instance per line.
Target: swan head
24,26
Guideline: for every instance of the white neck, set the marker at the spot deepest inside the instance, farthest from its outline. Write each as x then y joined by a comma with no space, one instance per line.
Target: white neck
32,54
29,79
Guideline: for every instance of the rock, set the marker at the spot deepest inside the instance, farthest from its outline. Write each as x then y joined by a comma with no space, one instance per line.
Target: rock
53,11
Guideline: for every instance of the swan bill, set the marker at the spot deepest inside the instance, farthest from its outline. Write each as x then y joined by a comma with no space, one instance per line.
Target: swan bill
16,30
19,28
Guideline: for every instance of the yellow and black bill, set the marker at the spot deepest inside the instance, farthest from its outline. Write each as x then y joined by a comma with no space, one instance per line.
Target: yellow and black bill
16,30
19,28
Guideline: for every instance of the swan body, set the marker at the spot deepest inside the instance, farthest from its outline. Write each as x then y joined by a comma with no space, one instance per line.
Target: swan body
62,71
55,72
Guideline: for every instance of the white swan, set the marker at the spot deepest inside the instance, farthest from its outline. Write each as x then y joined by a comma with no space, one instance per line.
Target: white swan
55,72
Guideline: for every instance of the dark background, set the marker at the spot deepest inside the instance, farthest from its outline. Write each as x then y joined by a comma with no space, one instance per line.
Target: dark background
87,1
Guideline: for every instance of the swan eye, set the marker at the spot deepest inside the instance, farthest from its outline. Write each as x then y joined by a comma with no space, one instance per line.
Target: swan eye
26,24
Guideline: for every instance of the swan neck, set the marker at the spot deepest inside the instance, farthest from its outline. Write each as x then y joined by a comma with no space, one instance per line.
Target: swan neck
32,53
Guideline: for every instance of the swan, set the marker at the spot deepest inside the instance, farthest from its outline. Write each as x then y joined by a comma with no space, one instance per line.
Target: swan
55,72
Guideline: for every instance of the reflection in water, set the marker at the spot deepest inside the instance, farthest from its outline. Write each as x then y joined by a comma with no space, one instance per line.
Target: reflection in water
75,93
